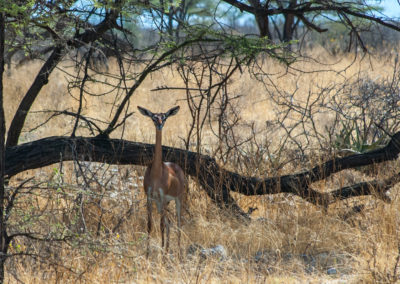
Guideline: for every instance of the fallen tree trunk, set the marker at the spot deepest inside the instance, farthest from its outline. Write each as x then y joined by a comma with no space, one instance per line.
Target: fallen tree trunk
216,181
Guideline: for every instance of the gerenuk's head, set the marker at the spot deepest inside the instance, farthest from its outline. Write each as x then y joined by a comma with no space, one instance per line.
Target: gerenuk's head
159,118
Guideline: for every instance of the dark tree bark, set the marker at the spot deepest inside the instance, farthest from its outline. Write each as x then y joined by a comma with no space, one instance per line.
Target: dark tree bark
216,181
288,26
262,20
41,79
3,228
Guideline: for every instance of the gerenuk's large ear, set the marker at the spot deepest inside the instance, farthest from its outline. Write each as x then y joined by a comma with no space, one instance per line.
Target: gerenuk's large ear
172,111
145,111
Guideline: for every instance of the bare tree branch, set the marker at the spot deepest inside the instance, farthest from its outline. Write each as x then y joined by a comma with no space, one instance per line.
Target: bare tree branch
41,79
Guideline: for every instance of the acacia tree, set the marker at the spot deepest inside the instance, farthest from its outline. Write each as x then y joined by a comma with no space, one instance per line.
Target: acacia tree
281,19
99,29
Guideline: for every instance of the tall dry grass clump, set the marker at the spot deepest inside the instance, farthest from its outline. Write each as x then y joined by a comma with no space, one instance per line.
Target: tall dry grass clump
287,241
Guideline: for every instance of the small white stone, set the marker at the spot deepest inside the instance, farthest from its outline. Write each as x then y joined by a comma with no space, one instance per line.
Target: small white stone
331,271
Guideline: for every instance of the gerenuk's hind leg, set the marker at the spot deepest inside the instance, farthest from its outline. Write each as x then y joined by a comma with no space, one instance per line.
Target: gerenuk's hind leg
167,224
178,206
149,217
162,228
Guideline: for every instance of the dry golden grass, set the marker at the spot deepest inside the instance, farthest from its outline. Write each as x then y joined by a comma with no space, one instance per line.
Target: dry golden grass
284,230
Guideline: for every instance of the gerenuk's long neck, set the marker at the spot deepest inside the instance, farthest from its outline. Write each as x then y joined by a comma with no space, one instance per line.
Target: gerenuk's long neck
157,162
